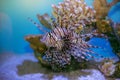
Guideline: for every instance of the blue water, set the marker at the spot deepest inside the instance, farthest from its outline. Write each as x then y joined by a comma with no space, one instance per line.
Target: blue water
14,24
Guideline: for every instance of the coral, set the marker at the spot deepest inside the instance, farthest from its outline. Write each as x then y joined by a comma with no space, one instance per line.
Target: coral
103,26
102,7
38,47
35,43
108,68
74,14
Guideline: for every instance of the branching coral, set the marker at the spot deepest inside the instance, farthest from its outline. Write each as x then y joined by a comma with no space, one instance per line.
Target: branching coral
74,14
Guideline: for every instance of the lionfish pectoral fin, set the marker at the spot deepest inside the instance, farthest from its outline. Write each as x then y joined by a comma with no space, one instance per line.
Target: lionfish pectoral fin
92,46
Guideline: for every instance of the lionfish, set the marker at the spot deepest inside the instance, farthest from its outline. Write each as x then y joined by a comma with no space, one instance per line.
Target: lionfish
63,44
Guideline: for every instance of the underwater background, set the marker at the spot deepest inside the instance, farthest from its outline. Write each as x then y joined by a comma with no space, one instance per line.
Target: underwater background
14,24
17,59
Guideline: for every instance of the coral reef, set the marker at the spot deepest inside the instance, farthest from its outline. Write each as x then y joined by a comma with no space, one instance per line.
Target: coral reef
73,24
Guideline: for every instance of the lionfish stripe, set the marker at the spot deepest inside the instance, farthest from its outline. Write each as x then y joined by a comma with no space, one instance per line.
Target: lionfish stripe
49,39
91,46
86,54
57,32
95,53
58,29
63,34
49,35
63,29
55,35
83,57
45,38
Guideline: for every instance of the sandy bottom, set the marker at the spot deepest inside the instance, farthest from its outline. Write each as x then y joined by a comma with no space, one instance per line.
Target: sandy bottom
26,67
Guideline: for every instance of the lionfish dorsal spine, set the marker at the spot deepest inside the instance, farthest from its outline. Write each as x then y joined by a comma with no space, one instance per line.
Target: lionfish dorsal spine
36,24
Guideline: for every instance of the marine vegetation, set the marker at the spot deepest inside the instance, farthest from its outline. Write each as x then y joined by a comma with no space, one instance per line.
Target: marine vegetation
72,25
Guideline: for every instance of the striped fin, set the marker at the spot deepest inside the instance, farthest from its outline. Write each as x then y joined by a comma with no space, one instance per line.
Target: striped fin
92,46
90,51
36,24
